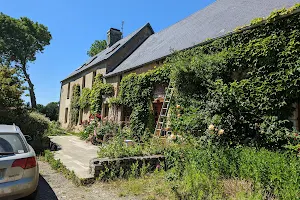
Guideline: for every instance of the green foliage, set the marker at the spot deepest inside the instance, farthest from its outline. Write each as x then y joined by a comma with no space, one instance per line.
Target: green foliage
84,100
275,172
97,47
35,125
20,41
50,110
136,92
245,84
88,130
275,15
75,106
11,88
31,123
197,185
98,90
55,129
114,101
117,148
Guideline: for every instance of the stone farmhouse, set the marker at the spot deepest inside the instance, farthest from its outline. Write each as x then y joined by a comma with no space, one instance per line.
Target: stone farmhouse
144,49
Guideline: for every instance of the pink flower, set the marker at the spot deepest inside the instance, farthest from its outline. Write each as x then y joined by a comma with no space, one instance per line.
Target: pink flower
98,116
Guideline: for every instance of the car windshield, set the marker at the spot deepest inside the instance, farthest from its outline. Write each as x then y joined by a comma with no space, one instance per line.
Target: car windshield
11,143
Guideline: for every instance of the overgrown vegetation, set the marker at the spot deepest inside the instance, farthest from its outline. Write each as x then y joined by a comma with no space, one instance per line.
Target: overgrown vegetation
246,84
84,100
230,115
98,90
136,92
117,148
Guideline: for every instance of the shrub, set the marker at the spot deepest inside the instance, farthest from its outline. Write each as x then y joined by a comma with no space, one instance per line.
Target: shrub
55,129
117,148
35,124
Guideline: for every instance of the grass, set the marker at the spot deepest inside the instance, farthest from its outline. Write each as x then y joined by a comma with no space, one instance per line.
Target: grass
155,186
151,186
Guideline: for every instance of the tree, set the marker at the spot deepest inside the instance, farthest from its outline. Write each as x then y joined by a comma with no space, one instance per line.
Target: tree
97,47
20,41
11,89
40,108
51,110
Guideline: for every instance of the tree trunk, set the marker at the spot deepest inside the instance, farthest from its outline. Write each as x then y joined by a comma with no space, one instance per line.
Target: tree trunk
31,87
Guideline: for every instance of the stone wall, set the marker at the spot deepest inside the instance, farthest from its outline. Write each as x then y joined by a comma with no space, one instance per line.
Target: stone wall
101,166
66,102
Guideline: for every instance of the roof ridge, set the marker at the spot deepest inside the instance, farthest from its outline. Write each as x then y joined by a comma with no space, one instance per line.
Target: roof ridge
107,52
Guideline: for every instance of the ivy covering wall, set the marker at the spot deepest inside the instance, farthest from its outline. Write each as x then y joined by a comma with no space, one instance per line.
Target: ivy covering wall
244,84
92,98
75,105
136,92
98,90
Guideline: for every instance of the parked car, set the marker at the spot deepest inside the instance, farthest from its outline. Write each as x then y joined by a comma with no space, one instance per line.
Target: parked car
19,172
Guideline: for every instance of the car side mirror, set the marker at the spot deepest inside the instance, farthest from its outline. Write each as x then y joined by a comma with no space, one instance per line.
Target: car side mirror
28,138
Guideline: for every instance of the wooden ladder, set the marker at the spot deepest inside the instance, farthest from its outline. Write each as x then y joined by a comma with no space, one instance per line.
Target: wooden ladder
161,122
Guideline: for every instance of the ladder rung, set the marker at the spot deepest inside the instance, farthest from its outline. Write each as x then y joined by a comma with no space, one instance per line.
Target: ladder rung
163,115
165,108
160,122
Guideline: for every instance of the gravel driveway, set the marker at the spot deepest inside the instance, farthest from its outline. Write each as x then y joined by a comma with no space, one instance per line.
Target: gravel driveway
54,185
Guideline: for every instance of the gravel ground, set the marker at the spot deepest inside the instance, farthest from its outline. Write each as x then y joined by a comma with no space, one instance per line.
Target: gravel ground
54,185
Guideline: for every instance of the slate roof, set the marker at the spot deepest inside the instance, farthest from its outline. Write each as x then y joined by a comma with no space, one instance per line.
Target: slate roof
216,20
105,54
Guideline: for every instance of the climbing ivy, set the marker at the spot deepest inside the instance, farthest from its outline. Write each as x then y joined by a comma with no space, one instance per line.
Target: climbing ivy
136,92
98,90
84,100
244,84
75,105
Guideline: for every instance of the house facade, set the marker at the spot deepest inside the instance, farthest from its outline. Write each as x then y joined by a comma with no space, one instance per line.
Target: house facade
117,50
143,49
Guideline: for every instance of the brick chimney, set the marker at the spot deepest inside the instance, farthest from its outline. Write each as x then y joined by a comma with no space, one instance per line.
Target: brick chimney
113,36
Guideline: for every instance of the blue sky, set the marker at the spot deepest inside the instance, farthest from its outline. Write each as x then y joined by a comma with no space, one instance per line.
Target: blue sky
75,24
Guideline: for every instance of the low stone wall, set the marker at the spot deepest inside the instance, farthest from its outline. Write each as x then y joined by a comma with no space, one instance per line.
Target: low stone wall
99,165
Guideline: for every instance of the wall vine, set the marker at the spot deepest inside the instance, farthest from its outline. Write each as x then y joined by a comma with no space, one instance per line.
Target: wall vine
75,105
99,89
244,83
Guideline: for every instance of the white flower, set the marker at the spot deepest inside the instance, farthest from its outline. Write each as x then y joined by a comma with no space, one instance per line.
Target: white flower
221,131
211,127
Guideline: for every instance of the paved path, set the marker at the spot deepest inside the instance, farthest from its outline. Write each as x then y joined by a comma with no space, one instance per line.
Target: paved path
75,154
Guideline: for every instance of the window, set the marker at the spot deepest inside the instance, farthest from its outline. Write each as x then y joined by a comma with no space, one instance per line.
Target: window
121,77
106,109
94,75
83,82
68,94
66,114
11,143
